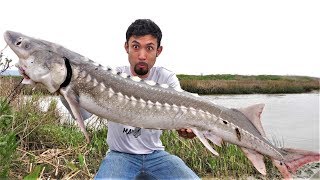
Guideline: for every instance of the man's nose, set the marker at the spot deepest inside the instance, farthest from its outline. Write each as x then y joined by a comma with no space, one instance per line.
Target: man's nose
142,55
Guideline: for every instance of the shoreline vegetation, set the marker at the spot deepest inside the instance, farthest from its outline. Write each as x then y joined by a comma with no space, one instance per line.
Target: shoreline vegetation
254,84
35,144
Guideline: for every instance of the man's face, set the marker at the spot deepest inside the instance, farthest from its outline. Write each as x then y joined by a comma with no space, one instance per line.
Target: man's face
142,53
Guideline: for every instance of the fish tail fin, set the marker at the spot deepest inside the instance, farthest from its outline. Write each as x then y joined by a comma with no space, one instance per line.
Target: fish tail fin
295,159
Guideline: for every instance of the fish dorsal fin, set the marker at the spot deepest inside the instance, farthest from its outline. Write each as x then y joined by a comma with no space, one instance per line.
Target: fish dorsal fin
256,159
253,113
204,141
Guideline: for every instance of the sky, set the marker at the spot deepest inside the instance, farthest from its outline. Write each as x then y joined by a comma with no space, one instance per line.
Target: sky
246,37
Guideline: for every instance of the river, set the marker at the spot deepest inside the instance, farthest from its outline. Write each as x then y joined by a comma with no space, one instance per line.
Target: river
291,120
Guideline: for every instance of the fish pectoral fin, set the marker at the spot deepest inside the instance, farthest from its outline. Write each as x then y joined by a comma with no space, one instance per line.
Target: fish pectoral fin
213,138
204,141
27,81
253,113
256,159
75,109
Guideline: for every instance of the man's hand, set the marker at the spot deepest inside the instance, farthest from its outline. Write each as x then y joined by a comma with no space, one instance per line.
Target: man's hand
186,133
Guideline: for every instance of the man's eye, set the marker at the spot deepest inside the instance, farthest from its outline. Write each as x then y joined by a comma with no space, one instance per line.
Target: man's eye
135,46
150,48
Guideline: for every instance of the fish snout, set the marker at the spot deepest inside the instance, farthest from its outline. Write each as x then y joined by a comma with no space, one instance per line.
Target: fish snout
8,36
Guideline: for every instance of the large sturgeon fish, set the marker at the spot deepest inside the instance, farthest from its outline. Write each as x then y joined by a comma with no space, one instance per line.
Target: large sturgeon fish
133,101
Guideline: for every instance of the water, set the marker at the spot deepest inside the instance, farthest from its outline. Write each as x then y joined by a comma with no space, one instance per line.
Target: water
291,119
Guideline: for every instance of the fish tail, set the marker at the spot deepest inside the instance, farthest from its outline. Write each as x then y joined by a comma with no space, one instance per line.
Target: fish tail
293,160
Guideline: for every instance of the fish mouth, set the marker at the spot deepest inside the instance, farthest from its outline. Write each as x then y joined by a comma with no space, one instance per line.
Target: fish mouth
22,72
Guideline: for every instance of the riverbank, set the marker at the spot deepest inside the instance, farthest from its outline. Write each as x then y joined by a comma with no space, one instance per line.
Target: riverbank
240,84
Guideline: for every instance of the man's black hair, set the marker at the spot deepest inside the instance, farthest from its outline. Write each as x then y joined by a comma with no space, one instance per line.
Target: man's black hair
142,27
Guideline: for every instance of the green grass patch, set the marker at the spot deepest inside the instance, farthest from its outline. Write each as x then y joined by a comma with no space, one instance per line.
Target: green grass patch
8,141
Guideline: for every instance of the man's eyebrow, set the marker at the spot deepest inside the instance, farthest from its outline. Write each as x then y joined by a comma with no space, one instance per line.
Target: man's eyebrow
151,44
134,41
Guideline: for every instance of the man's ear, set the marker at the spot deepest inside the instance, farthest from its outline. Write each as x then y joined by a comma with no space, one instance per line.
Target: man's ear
159,50
126,47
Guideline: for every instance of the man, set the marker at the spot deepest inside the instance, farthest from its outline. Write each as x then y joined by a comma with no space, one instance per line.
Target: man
136,153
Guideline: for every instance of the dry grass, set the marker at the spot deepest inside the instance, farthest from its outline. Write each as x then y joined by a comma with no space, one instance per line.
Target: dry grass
42,147
248,86
52,163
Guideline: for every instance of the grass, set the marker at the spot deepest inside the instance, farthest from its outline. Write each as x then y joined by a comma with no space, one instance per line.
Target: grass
32,139
238,84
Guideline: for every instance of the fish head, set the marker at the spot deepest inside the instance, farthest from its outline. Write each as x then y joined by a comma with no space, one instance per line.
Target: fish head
23,46
45,67
38,60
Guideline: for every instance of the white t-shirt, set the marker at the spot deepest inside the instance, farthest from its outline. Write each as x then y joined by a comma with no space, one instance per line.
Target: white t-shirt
134,140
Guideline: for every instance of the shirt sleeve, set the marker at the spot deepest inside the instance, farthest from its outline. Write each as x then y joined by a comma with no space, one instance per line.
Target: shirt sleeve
168,77
173,81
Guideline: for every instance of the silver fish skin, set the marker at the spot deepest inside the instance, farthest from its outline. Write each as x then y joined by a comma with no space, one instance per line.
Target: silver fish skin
133,101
